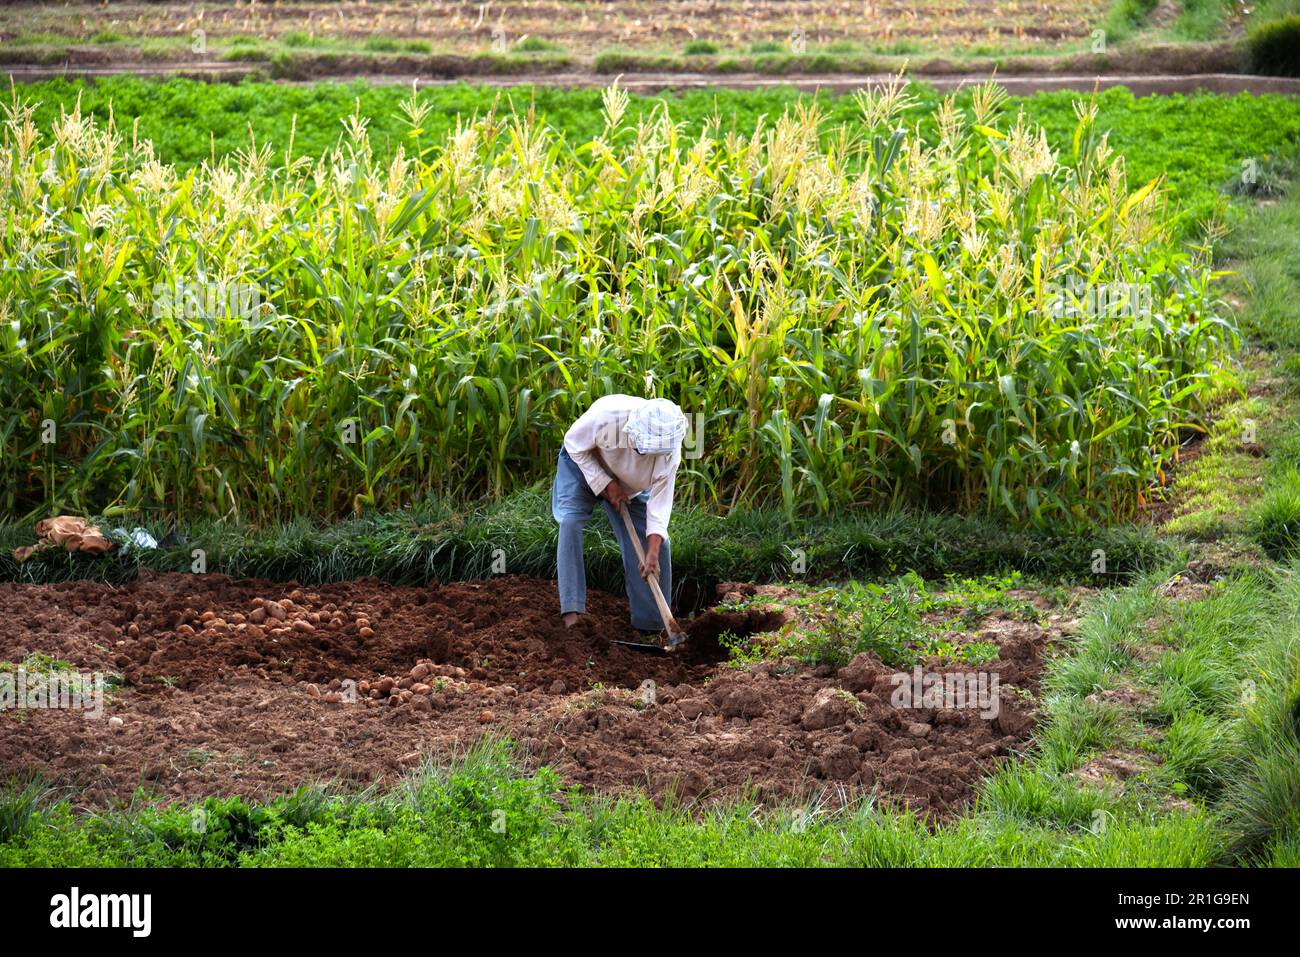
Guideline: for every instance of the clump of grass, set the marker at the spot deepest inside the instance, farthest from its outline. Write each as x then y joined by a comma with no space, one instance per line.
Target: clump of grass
1268,249
1196,751
158,48
382,44
19,802
700,48
1268,178
1030,795
1127,17
1200,19
1262,795
241,49
900,47
531,44
1275,521
1079,728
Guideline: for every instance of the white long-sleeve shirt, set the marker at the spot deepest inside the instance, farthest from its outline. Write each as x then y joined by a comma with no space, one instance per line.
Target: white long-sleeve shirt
600,448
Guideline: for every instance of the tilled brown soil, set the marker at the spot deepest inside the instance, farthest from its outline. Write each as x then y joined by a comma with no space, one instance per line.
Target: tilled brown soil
573,24
251,687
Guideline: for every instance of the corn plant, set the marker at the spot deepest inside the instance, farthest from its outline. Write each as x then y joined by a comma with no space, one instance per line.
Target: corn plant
861,317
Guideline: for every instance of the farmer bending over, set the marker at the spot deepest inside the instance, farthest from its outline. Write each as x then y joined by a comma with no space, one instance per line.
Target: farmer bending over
623,450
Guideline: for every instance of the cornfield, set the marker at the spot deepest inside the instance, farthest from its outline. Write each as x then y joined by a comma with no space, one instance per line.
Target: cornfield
857,317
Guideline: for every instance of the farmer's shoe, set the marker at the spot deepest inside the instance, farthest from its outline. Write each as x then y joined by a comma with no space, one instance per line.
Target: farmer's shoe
570,619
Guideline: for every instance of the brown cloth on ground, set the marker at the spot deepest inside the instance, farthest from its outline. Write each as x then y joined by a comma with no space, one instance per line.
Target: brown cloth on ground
73,533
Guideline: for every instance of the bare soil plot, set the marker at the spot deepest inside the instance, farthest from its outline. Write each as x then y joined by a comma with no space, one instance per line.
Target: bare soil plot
242,687
575,25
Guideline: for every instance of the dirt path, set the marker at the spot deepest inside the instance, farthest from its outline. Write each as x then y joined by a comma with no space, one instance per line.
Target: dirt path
650,83
220,692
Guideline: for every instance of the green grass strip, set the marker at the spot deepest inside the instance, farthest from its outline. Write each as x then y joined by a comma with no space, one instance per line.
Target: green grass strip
446,544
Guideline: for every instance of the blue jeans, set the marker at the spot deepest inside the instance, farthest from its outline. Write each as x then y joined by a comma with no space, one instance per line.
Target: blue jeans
572,502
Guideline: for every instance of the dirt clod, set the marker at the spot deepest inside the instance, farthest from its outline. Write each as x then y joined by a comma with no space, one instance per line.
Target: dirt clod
829,709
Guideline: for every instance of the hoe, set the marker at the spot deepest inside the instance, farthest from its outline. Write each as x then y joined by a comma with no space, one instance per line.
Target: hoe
674,632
